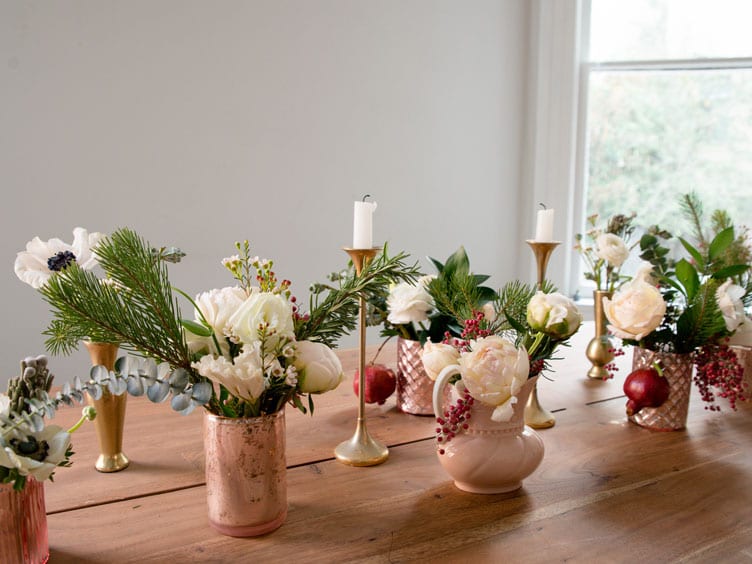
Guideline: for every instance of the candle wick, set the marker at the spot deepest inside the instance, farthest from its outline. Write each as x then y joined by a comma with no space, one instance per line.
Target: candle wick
541,204
364,197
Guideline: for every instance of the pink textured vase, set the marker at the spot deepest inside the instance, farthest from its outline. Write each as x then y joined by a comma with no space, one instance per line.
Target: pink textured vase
489,457
246,473
23,524
414,387
744,357
677,368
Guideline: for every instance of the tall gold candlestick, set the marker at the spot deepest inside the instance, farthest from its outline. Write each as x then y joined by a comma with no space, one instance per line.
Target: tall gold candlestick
535,415
361,449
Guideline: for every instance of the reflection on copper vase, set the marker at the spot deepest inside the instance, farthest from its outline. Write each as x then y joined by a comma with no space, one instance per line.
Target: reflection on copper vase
677,368
489,457
23,524
246,473
599,350
414,387
110,420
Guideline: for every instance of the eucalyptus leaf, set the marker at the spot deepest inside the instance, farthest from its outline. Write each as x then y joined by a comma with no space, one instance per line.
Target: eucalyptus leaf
189,409
158,391
95,391
202,392
135,386
181,401
99,373
179,379
37,423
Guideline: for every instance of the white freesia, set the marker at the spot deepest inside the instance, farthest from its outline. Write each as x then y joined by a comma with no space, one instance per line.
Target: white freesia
637,308
729,298
36,264
4,404
494,371
319,369
216,306
553,314
437,356
243,376
743,334
612,249
409,303
42,452
271,311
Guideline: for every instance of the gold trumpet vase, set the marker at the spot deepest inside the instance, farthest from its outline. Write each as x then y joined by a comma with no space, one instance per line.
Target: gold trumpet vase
599,350
110,420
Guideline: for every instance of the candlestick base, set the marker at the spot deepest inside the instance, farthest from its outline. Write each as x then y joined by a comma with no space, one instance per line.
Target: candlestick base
361,449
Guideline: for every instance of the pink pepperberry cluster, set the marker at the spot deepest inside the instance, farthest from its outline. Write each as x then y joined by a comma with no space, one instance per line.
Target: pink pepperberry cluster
536,367
611,367
473,328
454,421
718,367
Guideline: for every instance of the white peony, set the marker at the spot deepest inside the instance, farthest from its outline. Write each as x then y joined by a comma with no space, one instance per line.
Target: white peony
729,298
216,306
437,356
553,314
493,371
637,308
243,376
263,309
319,369
743,334
409,303
612,249
36,264
36,454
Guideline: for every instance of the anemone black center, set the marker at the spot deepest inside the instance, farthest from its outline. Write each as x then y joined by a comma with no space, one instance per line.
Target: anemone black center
31,448
60,261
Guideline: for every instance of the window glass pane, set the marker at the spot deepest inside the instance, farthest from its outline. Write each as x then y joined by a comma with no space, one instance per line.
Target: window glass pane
655,135
629,30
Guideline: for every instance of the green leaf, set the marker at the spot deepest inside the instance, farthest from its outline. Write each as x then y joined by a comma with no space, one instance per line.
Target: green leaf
730,271
687,275
439,266
196,328
696,255
457,263
720,243
480,278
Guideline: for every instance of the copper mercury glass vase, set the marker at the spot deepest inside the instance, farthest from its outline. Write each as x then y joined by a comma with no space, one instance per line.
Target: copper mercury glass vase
599,350
110,420
246,473
414,387
23,524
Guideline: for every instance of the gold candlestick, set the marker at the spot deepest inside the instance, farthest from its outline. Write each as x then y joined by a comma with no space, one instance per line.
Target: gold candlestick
361,449
535,415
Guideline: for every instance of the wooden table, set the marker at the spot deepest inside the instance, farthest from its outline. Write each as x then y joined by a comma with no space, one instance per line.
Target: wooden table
606,491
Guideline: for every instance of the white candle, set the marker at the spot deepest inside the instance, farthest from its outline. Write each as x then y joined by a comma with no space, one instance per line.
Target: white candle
544,226
363,225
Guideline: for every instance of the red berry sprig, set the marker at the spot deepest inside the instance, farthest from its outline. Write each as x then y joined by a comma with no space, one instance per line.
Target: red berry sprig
718,367
455,420
611,367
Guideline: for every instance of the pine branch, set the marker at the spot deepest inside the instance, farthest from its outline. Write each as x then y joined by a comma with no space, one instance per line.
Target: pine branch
692,208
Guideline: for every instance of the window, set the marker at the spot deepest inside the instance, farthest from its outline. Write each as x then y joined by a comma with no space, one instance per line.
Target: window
666,97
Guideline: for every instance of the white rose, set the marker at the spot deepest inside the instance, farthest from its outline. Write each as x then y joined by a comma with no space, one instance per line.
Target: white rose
50,445
493,371
263,309
216,306
729,298
319,369
553,314
437,356
636,309
243,376
407,302
743,334
612,249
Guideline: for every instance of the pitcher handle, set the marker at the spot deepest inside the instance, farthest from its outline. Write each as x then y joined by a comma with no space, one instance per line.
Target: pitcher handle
438,387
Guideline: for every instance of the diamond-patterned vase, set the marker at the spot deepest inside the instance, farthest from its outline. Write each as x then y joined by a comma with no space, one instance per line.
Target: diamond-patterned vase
744,357
414,387
677,368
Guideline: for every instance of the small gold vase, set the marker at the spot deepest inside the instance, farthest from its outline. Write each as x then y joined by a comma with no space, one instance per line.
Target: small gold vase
599,350
110,420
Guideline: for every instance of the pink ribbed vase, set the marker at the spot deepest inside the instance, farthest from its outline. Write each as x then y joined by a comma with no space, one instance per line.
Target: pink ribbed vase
23,524
246,473
414,387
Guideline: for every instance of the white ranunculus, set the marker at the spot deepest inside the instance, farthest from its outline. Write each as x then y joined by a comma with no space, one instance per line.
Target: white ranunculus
263,309
4,404
729,298
36,264
437,356
612,249
319,369
217,306
409,303
243,376
637,308
38,454
553,314
493,371
743,334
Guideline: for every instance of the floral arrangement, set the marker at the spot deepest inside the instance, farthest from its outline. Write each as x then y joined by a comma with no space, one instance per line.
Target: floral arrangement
249,349
690,306
496,357
604,250
436,305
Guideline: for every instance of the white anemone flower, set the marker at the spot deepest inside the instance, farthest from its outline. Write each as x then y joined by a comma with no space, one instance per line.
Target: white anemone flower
37,454
36,264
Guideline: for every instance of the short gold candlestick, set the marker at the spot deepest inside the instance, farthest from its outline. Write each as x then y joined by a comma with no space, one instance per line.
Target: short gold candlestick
535,415
361,449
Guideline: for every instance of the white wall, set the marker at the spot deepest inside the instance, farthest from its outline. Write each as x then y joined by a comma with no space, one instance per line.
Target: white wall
199,123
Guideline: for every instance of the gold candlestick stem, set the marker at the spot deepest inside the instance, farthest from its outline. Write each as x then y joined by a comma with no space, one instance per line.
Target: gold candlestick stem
536,416
361,449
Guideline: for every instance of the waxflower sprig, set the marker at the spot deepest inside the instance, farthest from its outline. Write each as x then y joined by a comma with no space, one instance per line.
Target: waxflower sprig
605,249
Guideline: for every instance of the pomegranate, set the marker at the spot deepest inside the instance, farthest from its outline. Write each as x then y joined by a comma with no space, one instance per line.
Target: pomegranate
645,387
380,383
